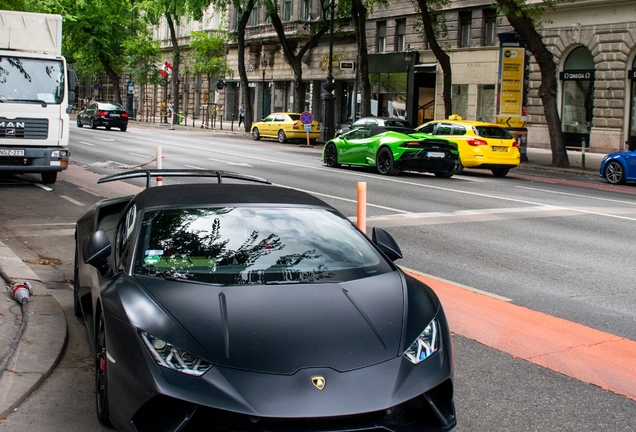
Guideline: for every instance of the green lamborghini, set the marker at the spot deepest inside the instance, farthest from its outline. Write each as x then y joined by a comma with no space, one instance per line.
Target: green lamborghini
391,150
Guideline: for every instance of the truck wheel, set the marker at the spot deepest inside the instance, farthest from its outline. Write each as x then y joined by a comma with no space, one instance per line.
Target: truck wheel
49,177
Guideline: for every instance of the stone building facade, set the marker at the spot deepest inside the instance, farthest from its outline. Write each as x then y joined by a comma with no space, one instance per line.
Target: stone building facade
593,42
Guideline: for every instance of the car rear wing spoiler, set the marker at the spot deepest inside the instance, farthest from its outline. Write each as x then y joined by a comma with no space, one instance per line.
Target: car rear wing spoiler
154,173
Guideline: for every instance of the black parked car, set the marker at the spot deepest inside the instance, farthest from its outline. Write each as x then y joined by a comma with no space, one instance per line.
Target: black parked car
371,122
251,307
105,114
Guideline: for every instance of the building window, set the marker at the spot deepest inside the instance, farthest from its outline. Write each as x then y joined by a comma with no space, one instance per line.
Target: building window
465,24
307,10
490,27
460,100
486,102
287,10
400,35
254,16
381,37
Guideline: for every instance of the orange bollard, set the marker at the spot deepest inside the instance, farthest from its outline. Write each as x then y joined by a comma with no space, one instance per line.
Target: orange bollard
362,206
159,157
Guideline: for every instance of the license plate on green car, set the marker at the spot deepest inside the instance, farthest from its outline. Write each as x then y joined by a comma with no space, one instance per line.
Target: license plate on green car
435,154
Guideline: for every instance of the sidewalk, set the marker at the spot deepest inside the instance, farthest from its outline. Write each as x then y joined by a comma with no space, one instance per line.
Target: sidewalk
42,345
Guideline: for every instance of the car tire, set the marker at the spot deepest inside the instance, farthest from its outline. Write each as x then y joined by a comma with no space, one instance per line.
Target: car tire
49,177
77,308
79,123
256,135
107,127
614,173
384,162
123,128
445,174
101,373
459,169
331,156
282,138
500,172
92,123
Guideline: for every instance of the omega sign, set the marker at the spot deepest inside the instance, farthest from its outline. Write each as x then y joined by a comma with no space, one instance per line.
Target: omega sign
577,76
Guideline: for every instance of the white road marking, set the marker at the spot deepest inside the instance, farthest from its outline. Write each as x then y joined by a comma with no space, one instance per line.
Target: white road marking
46,188
85,143
141,155
108,139
578,195
77,203
194,167
231,163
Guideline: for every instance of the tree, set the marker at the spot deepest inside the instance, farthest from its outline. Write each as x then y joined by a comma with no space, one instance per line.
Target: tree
525,18
294,60
207,52
432,15
94,34
142,56
359,14
174,11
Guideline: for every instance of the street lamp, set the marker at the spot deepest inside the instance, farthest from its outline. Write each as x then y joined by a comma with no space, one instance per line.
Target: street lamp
329,86
409,56
263,66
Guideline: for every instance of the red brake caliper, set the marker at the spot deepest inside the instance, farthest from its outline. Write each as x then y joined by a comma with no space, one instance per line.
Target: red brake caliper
102,364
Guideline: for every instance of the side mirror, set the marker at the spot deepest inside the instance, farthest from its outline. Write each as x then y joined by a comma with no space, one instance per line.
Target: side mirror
386,243
97,250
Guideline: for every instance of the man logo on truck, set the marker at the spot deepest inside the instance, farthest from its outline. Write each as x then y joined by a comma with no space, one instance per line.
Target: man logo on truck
16,125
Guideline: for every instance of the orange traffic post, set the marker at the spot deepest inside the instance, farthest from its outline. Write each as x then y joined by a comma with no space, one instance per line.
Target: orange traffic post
362,206
159,157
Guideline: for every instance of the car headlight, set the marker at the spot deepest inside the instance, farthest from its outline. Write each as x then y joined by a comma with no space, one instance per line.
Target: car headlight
426,344
174,358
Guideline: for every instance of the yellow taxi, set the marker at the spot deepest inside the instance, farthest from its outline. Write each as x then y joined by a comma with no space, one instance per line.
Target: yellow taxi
284,126
481,144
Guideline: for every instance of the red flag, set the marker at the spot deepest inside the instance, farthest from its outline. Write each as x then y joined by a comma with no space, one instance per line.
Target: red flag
165,69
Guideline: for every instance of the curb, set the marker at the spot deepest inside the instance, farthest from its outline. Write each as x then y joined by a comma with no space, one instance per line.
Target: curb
42,345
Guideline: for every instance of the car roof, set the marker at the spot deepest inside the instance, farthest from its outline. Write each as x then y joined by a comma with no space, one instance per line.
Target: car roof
466,122
210,194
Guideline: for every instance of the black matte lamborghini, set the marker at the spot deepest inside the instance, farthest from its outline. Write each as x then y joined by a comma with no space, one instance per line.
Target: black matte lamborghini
241,306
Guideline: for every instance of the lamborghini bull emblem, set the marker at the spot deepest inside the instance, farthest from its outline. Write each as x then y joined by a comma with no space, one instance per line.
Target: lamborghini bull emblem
318,382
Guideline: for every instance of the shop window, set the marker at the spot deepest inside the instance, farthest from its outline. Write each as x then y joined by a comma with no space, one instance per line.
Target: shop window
380,36
577,107
465,28
486,102
490,27
287,10
632,129
400,35
460,100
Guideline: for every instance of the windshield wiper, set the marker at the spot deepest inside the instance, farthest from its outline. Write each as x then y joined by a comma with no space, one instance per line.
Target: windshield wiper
40,101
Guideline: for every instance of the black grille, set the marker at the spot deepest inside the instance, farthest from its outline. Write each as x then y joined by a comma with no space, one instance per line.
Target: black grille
28,128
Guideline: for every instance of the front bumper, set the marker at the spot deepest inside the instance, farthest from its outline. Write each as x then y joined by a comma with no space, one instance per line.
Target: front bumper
393,396
34,160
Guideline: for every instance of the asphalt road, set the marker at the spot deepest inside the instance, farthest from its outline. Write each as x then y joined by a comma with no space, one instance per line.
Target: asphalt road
553,243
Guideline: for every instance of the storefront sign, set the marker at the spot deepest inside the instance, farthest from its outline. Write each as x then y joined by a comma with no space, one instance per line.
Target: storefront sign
249,67
337,58
577,75
511,79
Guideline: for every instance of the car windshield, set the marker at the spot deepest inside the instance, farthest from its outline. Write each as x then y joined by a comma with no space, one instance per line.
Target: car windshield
254,245
492,132
25,80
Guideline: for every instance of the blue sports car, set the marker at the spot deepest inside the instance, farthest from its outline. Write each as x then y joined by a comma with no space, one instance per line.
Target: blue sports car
619,167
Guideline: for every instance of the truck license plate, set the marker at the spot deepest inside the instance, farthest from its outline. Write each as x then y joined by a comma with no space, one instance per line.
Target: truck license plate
11,152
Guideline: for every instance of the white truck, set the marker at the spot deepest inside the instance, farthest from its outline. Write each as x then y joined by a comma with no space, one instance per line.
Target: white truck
34,95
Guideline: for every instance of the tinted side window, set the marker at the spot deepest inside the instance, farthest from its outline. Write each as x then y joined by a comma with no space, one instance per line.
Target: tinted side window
444,129
492,132
370,123
427,128
459,130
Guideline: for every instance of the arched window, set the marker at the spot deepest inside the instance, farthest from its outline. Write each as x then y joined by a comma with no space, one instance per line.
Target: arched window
631,141
577,102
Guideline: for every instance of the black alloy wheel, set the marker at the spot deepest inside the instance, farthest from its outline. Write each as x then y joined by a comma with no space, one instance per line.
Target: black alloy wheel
79,122
384,162
256,135
123,128
614,173
101,373
93,124
331,156
281,136
459,169
500,172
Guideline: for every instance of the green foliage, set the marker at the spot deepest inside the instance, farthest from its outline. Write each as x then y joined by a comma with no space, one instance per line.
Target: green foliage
531,10
437,15
177,9
208,55
142,58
